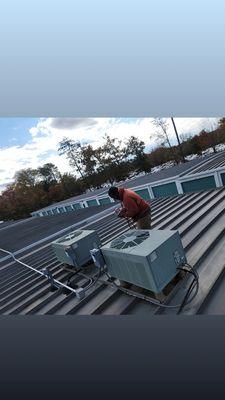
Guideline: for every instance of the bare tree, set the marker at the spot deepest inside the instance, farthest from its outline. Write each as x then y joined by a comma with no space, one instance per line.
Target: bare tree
161,134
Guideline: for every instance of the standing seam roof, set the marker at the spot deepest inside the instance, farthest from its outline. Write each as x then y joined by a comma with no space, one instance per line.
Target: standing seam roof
199,218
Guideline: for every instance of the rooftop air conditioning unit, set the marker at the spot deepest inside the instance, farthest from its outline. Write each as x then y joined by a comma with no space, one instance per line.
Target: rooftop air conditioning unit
145,258
74,248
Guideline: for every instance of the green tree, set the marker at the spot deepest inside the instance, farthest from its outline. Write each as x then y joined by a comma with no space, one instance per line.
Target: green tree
134,147
135,151
111,152
49,175
71,186
110,159
26,178
72,150
88,159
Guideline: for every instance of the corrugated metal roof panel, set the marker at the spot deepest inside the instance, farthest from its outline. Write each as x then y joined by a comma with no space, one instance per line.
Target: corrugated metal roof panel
217,160
34,229
200,219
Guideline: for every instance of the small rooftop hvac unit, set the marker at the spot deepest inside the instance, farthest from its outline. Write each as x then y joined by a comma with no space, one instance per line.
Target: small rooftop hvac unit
146,258
74,248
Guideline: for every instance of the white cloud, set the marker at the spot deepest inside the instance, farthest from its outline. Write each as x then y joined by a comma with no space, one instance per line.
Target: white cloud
48,132
34,131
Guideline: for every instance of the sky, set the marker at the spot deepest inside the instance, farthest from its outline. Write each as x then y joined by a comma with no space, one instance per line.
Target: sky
32,142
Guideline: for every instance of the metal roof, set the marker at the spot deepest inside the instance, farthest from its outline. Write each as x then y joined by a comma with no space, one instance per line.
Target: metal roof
34,229
12,222
199,218
6,223
177,170
216,161
166,173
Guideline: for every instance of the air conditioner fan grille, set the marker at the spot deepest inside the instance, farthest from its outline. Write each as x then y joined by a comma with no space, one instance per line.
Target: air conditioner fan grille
129,240
70,236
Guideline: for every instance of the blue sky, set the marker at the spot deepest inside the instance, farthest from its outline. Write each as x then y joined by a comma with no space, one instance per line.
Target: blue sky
15,130
31,142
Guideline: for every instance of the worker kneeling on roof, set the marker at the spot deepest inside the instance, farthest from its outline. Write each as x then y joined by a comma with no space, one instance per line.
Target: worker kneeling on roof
133,206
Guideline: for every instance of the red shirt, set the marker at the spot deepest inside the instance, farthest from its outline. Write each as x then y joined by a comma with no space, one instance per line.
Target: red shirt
133,204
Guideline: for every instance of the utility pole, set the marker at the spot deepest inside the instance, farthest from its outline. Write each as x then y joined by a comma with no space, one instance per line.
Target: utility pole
178,139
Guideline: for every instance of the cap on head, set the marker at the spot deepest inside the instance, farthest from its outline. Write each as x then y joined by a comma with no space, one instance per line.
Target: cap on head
114,192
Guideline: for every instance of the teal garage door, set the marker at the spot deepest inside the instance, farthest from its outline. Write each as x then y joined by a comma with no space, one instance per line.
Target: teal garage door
61,210
92,202
105,200
49,212
199,184
76,206
169,189
68,208
223,179
144,193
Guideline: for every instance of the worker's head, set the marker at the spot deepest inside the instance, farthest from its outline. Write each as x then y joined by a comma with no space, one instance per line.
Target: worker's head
114,193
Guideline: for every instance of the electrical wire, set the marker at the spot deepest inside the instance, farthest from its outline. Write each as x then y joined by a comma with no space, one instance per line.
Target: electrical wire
93,280
158,303
195,283
189,291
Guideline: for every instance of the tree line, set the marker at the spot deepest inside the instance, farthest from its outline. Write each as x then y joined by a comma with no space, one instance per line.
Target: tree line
115,160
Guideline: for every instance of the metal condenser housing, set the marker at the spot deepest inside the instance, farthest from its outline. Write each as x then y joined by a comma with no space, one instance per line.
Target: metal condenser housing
145,258
74,248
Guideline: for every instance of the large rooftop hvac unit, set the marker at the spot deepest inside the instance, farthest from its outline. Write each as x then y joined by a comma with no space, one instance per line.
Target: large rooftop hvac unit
145,258
74,248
